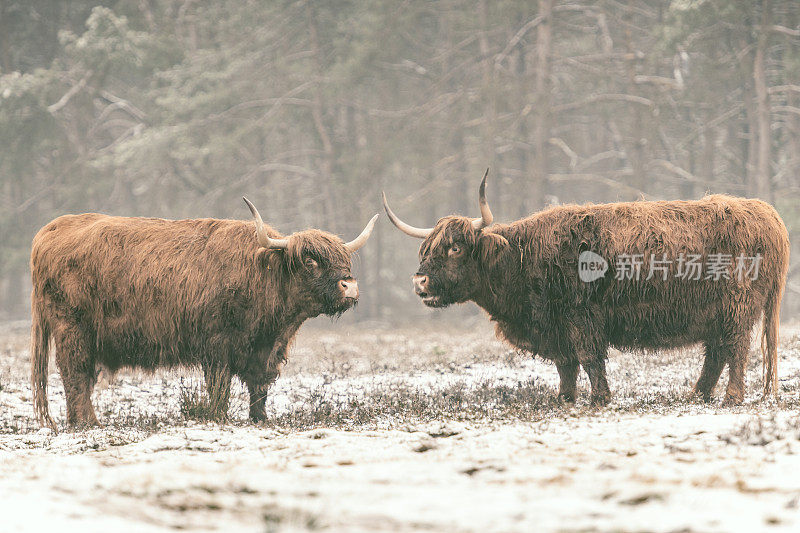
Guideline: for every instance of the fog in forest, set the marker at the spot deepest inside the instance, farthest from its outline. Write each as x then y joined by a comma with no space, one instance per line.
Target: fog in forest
178,108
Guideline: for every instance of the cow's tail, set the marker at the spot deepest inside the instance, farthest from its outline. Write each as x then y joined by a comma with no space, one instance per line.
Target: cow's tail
40,355
769,340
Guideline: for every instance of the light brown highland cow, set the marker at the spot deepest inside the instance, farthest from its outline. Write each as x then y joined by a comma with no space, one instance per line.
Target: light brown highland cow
152,293
563,283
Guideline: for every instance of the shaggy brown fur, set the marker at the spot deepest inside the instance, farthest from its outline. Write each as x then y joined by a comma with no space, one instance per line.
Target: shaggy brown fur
151,293
525,275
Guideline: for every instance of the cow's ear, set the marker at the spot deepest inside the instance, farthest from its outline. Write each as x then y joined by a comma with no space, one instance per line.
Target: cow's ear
491,247
274,260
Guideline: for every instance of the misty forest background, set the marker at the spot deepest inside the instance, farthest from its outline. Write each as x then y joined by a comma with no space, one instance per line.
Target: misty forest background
177,108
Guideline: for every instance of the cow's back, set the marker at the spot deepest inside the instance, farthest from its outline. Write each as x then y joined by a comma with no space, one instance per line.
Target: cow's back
150,292
636,312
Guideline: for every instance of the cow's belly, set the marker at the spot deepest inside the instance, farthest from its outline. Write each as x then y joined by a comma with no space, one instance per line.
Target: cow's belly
640,326
134,350
682,320
648,329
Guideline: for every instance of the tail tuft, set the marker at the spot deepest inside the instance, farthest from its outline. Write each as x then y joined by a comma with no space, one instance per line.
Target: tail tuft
769,343
40,354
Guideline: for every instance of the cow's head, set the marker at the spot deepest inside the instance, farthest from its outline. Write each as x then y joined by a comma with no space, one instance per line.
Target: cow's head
319,265
452,254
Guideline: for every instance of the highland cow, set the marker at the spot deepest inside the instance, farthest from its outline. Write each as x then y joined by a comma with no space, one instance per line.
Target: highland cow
526,276
114,292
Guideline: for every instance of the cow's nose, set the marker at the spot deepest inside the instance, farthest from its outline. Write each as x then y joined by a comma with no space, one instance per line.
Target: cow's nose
349,288
420,284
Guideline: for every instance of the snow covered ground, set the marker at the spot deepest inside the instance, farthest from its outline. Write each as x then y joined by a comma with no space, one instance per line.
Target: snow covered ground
406,431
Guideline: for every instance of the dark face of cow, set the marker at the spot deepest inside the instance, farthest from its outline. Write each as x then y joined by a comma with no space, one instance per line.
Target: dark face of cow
451,254
318,264
321,263
448,269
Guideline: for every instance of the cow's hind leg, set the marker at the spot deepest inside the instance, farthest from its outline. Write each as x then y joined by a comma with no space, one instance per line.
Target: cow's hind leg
596,370
714,362
568,373
76,362
737,351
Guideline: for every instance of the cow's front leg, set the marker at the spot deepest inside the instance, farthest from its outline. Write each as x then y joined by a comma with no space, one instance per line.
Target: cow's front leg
260,379
258,395
568,372
218,387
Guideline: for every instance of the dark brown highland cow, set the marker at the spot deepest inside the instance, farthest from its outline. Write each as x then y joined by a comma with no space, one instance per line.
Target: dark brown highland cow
152,293
526,276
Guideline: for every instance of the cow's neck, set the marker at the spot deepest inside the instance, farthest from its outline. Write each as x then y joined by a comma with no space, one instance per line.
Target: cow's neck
276,307
502,291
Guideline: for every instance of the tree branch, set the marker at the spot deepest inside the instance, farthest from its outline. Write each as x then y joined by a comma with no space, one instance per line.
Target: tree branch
75,89
564,147
604,98
777,28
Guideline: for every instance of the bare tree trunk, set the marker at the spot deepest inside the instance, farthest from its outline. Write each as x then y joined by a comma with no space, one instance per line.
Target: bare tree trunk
147,10
688,186
750,140
635,146
489,93
517,201
793,144
762,188
379,302
707,162
188,23
541,103
317,113
5,48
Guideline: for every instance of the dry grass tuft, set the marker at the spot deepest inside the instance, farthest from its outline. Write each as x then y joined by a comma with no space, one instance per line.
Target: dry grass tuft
405,403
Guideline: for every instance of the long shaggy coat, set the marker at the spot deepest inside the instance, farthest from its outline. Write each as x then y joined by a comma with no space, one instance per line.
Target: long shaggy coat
153,293
525,275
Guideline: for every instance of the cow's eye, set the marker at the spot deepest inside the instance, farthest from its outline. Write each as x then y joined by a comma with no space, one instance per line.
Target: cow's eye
454,250
310,263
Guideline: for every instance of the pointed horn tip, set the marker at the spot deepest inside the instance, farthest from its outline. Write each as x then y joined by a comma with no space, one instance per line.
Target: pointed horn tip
386,205
361,240
253,210
483,181
371,222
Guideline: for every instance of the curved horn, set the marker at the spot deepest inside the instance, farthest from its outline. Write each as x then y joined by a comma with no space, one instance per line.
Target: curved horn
361,240
419,233
261,232
486,217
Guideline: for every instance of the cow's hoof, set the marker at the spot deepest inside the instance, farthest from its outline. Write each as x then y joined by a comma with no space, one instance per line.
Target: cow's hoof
732,401
600,400
80,424
566,397
258,418
702,396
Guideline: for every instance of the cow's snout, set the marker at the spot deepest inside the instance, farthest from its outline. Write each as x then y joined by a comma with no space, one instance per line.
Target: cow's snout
420,285
349,288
